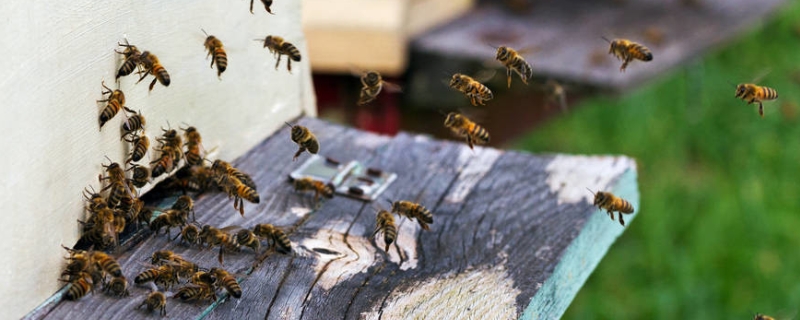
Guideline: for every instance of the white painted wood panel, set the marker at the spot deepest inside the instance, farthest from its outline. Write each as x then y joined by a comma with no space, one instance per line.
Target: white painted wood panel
55,55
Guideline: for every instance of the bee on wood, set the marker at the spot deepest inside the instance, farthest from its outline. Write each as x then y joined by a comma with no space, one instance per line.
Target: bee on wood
305,139
117,287
514,62
267,4
755,94
610,202
214,47
131,59
371,85
412,211
194,293
79,262
185,203
134,123
168,219
219,237
202,278
274,235
247,238
474,90
153,66
140,176
140,145
319,188
79,287
279,47
190,233
227,281
627,51
385,224
106,263
193,144
155,301
164,276
115,102
100,230
464,127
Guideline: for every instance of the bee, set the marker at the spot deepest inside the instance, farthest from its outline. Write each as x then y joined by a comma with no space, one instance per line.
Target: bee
155,301
134,123
78,263
131,54
79,288
165,163
145,215
140,145
214,47
464,127
116,101
192,293
413,210
116,193
267,4
514,62
759,316
239,192
474,90
202,278
247,238
140,176
279,47
166,276
227,281
305,139
185,203
190,233
193,143
171,139
372,83
106,263
115,172
162,257
385,224
100,231
96,201
219,237
169,218
608,201
274,235
555,93
753,93
224,168
118,287
153,66
627,51
319,188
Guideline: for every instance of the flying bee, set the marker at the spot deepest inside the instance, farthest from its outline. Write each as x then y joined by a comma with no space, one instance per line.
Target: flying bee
140,145
153,66
305,139
385,224
753,93
371,85
185,203
193,293
319,187
227,281
247,238
555,93
610,202
514,62
412,211
155,301
131,55
134,123
627,51
759,316
214,47
267,4
274,235
464,127
224,168
238,191
168,219
474,90
190,233
79,287
140,176
193,144
117,287
279,47
115,102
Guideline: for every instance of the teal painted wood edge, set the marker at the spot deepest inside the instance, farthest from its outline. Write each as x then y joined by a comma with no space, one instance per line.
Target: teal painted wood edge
582,256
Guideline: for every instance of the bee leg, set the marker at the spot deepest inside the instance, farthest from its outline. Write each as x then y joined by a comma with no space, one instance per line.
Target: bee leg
297,154
289,64
508,75
761,109
152,84
278,62
469,141
251,6
621,221
611,215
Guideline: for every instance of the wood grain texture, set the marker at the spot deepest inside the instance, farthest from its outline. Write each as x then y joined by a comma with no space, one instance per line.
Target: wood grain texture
500,234
565,35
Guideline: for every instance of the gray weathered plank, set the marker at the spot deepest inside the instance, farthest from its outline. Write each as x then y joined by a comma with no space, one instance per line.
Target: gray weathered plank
503,221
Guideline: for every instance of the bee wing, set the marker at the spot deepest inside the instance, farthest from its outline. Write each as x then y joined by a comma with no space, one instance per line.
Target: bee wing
530,48
485,75
230,229
391,87
761,76
356,71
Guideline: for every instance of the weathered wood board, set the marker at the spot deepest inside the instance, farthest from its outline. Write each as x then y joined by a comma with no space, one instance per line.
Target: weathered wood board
514,235
564,38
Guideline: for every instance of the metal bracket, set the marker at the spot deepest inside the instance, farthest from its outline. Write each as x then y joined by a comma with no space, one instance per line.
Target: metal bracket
353,179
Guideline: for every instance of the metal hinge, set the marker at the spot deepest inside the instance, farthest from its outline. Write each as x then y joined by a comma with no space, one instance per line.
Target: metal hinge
352,179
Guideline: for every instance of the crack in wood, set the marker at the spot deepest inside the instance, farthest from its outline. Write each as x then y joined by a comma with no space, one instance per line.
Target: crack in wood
278,290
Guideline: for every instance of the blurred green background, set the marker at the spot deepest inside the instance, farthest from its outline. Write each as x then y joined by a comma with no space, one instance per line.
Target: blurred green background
719,229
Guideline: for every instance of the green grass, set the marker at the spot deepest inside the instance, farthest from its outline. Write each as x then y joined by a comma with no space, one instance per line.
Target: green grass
718,234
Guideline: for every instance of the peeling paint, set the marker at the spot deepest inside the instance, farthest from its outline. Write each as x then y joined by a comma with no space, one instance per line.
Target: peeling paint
475,165
474,294
567,175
